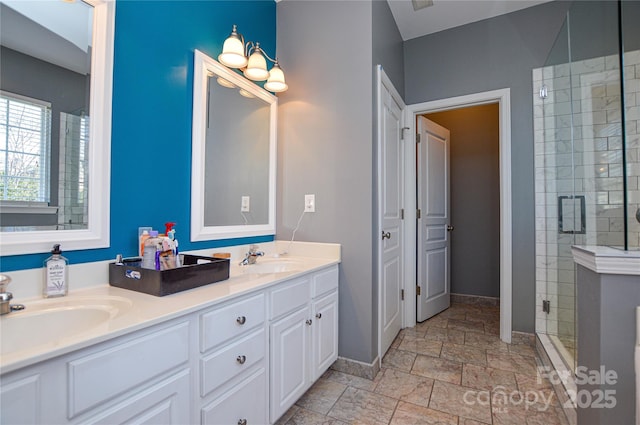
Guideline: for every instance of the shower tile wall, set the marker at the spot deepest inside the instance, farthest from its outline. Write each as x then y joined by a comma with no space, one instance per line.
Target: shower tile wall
590,166
73,172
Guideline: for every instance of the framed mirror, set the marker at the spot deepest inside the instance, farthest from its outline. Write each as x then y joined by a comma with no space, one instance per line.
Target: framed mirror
233,154
55,124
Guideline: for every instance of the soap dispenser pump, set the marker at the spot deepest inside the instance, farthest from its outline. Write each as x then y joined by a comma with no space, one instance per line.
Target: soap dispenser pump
55,274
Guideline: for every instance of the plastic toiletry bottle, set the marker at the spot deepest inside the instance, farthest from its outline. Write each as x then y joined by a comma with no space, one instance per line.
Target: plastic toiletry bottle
143,237
152,248
55,274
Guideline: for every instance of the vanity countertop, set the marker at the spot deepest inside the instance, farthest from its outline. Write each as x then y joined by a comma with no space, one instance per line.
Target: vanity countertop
129,311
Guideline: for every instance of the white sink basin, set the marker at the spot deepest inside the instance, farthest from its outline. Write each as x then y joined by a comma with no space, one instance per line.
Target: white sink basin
275,265
50,322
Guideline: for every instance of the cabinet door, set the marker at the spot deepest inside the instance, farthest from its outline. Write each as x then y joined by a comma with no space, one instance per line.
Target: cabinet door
290,354
325,333
20,400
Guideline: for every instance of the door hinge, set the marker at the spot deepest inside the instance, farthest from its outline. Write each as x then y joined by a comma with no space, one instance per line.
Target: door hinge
546,306
402,129
418,138
401,213
418,213
418,290
402,294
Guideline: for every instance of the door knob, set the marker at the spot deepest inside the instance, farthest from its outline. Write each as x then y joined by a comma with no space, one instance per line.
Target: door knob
449,228
386,235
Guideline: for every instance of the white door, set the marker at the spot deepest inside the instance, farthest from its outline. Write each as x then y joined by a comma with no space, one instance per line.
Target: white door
433,221
390,211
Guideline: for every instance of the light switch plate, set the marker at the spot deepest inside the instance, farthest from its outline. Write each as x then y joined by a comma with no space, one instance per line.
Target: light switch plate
245,204
309,203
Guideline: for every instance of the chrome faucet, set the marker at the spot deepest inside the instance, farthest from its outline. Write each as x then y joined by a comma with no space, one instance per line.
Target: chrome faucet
251,256
6,297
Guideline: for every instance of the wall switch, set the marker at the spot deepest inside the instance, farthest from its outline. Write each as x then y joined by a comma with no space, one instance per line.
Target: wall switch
309,203
245,204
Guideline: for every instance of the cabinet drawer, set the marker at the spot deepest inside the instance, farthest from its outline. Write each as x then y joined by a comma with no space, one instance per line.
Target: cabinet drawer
325,281
247,401
227,363
230,321
95,378
289,297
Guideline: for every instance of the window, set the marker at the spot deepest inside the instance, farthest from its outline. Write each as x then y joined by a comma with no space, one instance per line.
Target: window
25,139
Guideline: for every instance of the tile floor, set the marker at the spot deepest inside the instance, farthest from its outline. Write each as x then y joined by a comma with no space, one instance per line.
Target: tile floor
451,369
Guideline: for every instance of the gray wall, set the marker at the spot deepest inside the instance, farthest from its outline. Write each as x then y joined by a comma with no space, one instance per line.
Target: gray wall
475,198
325,148
387,44
607,309
493,54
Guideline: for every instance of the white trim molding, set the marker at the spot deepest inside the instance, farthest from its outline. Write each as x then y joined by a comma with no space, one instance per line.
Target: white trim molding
503,98
607,260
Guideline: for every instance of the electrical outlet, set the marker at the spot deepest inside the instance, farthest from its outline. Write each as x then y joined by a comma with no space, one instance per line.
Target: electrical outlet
309,203
245,204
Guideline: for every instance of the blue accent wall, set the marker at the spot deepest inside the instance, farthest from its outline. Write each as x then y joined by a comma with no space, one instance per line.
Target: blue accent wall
151,123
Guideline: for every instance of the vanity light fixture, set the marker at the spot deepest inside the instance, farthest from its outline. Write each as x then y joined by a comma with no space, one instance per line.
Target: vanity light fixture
252,60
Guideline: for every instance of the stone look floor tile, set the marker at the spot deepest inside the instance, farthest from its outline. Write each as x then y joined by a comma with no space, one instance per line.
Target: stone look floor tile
351,380
436,368
414,388
486,378
460,401
404,386
410,414
397,359
445,335
420,346
307,417
465,325
362,406
512,362
321,396
485,342
463,354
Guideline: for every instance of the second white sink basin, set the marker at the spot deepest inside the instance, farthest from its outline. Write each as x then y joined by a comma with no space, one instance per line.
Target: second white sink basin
275,265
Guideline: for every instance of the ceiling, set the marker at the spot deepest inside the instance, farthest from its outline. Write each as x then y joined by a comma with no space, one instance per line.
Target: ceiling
445,14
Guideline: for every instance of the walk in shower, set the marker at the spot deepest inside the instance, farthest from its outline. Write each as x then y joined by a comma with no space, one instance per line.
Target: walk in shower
587,146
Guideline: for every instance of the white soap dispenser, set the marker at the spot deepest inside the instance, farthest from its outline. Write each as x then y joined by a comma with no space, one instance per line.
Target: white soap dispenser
55,274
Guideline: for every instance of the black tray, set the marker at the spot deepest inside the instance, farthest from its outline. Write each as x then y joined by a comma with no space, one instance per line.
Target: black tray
130,275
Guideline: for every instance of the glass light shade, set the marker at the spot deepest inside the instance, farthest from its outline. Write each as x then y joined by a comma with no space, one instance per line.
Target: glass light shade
276,82
257,67
246,94
225,83
233,52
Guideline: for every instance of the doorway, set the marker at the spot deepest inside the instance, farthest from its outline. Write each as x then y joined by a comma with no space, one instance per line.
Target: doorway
474,216
502,99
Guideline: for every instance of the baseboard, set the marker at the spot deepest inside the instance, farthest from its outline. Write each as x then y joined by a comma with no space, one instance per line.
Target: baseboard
475,300
354,367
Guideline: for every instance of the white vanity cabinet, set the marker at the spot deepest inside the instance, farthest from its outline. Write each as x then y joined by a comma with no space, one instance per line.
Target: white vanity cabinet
244,360
303,328
143,377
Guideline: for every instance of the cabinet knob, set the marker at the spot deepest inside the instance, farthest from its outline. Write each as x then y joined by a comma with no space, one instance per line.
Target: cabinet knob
241,359
241,320
308,322
318,315
242,422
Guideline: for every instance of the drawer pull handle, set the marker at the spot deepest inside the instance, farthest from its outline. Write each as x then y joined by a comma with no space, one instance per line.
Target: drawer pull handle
241,359
242,422
241,320
308,322
319,316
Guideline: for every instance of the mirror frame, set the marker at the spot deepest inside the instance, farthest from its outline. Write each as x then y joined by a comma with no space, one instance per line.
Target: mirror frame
97,233
204,67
